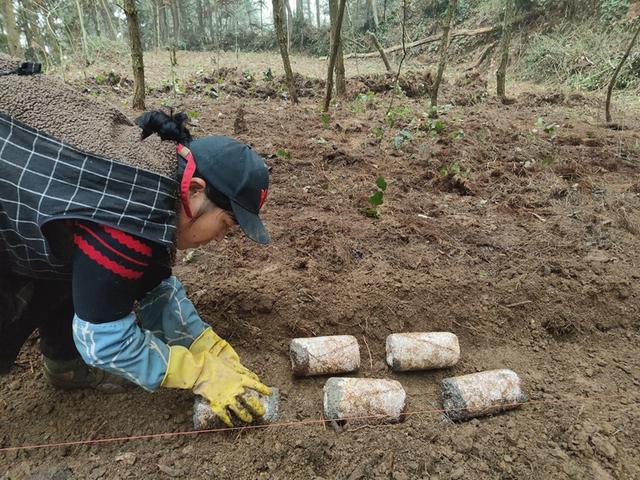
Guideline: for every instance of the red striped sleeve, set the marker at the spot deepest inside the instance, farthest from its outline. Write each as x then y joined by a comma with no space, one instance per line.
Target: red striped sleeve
129,241
109,247
105,262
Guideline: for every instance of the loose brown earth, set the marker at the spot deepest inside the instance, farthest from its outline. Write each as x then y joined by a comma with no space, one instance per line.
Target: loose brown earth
522,242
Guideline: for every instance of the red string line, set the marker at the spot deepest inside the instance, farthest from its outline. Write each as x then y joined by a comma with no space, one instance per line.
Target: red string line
311,421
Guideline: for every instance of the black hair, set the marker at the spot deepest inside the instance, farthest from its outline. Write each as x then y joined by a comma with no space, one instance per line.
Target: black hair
172,127
168,127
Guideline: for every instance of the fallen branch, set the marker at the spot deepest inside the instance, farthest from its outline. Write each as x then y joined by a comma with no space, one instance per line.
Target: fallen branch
383,55
518,304
424,41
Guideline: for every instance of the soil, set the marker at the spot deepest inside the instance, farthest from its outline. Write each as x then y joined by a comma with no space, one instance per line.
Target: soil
518,235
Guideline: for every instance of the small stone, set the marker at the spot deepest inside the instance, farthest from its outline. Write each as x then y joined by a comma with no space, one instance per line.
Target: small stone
188,450
171,471
604,447
127,458
98,473
457,474
599,473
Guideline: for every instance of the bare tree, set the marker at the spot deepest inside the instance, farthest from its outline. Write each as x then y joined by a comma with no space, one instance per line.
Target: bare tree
175,18
278,24
615,76
317,13
135,44
505,40
396,83
335,45
383,55
442,51
83,34
13,36
341,84
289,23
309,15
372,23
107,16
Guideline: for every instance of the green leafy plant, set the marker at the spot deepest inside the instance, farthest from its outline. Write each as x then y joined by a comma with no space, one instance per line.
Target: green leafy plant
378,132
364,101
458,134
283,153
377,198
325,119
401,137
454,169
548,128
194,114
397,113
435,126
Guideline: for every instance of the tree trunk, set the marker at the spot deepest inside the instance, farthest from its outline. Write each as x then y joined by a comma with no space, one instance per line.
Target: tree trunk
13,35
309,15
107,16
341,85
136,53
336,27
299,21
175,18
156,23
83,34
93,16
278,25
32,31
372,23
200,9
164,27
318,13
299,12
383,55
209,16
289,24
442,51
612,83
501,73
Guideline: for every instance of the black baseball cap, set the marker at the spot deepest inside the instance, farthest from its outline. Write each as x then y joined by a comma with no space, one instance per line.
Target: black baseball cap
239,173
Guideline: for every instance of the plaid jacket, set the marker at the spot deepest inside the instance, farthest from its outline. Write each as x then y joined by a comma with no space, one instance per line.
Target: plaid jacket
44,179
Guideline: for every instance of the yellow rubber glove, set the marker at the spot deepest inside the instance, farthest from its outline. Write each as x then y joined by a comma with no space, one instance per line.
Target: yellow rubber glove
209,341
221,382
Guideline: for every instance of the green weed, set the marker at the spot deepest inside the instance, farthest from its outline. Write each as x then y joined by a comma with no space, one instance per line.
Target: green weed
401,137
397,113
377,199
283,153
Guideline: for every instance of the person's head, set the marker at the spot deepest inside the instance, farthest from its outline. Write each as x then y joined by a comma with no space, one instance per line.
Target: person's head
223,183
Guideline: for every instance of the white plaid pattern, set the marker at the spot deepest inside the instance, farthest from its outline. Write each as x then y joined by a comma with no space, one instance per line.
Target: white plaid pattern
43,179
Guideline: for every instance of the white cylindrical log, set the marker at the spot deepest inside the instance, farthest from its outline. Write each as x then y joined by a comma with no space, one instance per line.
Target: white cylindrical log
363,400
204,418
482,393
422,350
324,355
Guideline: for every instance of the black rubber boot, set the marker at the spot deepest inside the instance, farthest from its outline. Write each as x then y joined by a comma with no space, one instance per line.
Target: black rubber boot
75,374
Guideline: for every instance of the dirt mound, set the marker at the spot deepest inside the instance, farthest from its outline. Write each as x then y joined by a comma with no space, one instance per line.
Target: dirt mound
89,124
413,84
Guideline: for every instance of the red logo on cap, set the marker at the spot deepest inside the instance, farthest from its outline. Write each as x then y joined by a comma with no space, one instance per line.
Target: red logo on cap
263,197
